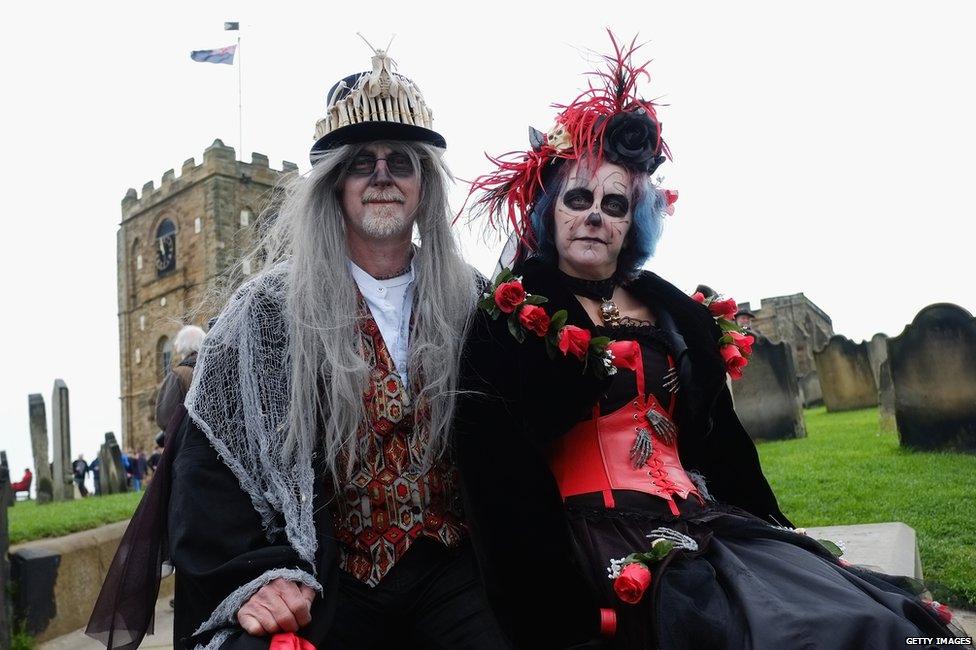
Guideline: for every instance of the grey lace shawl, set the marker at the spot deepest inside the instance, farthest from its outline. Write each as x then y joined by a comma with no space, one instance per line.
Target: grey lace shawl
239,398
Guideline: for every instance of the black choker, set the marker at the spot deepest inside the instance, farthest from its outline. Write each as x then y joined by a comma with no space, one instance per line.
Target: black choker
395,274
601,290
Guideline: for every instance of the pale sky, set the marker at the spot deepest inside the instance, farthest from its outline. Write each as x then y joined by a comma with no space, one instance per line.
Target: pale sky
822,147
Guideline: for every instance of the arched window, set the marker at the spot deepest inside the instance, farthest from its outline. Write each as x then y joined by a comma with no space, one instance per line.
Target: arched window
165,247
164,356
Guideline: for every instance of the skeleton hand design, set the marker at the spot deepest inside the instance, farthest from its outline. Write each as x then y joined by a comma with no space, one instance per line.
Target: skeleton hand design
663,426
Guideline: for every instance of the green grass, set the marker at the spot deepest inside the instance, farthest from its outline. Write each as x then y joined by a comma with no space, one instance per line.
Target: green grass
30,521
847,472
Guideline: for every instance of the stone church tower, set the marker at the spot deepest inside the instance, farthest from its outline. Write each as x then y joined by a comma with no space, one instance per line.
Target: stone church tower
175,244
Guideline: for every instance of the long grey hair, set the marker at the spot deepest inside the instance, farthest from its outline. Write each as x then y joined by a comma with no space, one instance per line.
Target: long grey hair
328,372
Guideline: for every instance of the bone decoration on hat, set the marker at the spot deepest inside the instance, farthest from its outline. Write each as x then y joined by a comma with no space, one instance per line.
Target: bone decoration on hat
378,96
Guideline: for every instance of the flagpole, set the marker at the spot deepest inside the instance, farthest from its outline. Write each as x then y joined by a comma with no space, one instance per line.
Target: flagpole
240,101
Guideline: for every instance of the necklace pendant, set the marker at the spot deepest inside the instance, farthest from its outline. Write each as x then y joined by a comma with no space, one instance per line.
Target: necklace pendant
609,312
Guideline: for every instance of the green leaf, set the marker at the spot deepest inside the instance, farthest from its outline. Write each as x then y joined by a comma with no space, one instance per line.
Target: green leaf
727,325
557,321
502,277
830,546
535,300
487,303
600,342
516,328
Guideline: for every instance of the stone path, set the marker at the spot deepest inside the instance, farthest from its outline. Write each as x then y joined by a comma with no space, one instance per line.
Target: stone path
162,639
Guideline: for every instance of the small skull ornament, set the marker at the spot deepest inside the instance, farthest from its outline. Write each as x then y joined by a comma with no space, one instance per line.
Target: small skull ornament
558,138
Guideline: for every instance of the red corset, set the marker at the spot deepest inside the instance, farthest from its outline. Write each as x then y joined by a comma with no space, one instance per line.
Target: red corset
595,455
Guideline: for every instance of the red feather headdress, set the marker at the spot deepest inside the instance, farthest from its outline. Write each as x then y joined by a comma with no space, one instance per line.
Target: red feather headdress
607,121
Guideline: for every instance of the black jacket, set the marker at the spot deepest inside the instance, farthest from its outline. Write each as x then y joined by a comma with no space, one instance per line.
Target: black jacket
516,399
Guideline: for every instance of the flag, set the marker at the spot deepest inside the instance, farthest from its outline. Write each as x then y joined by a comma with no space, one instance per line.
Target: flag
222,55
231,27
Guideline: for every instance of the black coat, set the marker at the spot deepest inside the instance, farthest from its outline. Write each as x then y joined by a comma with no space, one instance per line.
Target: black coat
516,399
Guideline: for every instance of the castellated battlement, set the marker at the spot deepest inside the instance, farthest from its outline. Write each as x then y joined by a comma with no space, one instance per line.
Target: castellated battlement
218,159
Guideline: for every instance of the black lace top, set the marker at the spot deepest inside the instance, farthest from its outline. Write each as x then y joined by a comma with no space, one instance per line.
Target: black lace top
655,350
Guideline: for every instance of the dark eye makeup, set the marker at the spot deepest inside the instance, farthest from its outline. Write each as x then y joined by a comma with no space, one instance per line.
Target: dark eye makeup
615,205
612,205
578,198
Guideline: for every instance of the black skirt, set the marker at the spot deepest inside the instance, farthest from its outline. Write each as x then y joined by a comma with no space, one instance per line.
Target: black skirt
748,585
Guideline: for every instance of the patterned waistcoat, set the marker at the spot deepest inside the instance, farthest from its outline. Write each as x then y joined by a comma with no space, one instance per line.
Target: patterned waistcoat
389,503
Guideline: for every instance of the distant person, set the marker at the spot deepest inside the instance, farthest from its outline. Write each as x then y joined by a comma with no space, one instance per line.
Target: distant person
24,484
142,464
155,457
127,466
80,470
137,470
177,381
96,466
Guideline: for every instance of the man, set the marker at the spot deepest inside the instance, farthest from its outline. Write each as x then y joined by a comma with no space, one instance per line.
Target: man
312,489
80,469
96,469
177,382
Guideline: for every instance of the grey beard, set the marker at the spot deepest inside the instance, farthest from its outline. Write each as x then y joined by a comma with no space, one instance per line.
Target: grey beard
381,226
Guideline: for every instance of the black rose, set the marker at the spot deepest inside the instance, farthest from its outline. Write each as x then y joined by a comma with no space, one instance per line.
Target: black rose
631,140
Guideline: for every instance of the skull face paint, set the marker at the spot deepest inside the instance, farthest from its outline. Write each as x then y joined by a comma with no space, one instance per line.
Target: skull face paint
591,219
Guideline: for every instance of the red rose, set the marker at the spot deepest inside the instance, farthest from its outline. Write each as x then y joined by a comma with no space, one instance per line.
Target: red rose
574,340
289,641
632,582
734,361
535,319
942,611
670,198
698,296
724,309
625,354
509,295
743,342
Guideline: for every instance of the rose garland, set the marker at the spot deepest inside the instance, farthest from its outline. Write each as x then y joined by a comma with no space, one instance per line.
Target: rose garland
631,575
734,345
524,314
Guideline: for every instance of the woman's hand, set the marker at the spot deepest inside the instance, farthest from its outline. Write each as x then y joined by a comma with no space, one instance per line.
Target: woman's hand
279,606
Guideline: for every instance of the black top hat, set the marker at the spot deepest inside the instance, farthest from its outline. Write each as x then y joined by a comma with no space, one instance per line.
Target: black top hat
377,105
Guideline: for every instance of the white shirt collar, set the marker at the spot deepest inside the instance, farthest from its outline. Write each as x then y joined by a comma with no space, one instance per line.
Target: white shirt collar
366,281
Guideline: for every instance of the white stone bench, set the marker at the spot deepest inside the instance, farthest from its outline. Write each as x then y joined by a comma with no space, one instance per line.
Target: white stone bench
889,547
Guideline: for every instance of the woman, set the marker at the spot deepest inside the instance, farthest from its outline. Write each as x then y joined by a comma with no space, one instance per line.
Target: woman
590,418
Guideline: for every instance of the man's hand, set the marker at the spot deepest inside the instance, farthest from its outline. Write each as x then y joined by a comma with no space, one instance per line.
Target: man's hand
279,606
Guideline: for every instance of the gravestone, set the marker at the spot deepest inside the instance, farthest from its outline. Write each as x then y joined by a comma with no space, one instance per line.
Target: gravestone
845,375
767,398
810,391
112,472
877,354
933,371
38,432
61,473
6,609
9,498
886,399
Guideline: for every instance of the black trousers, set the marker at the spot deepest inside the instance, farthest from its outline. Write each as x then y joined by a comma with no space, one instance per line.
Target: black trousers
431,599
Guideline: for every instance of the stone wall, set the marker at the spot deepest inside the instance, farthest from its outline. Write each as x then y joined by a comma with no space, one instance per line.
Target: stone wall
57,580
810,391
796,320
214,207
933,371
886,399
767,397
845,373
877,355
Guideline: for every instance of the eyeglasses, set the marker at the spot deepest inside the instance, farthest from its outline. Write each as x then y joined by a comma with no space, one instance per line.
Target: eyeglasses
398,164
